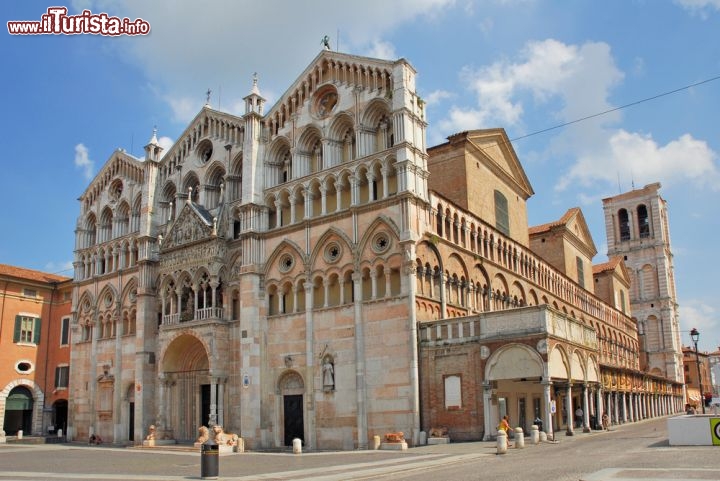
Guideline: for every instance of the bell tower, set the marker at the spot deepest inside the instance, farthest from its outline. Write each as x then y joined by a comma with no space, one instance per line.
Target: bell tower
637,228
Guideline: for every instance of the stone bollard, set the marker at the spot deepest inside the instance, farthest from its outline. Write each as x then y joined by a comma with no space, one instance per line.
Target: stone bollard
519,438
534,434
297,446
59,433
423,438
20,434
543,436
376,442
501,442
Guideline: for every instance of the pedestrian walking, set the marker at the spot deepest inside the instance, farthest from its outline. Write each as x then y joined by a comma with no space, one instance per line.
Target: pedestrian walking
505,426
578,417
605,422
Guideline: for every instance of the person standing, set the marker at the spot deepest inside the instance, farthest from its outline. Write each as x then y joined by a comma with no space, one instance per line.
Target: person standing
605,422
578,417
505,426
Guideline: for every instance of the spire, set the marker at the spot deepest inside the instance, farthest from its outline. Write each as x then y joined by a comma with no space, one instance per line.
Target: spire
255,90
153,149
153,139
253,101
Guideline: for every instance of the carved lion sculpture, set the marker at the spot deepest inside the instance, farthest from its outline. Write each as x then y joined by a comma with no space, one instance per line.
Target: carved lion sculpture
203,435
395,437
151,433
221,437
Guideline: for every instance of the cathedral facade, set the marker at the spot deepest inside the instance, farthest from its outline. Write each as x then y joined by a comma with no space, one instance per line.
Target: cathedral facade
314,271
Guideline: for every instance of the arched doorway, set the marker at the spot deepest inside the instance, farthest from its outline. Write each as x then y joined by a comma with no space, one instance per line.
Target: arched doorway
18,411
292,388
186,394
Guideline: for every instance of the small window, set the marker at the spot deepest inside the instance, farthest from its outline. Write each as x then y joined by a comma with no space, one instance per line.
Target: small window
30,293
27,330
65,331
622,301
62,374
453,394
502,219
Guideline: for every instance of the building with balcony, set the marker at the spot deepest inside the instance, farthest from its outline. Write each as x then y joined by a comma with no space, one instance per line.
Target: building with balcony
314,271
34,351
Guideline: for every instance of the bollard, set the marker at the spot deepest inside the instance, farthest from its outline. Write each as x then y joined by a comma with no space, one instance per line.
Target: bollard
376,442
423,438
543,436
209,459
501,441
297,446
20,434
519,438
534,434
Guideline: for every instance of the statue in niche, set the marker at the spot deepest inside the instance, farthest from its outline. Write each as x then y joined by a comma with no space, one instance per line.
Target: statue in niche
328,374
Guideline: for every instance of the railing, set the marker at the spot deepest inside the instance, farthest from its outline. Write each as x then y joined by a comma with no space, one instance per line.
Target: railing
200,315
498,324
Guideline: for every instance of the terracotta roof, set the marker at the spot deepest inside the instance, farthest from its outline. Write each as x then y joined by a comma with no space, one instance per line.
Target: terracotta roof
607,266
562,221
29,274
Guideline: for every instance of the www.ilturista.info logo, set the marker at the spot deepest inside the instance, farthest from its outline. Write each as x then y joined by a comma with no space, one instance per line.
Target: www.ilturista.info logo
57,22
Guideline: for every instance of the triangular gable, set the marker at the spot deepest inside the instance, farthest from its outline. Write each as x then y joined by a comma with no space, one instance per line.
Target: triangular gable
493,148
574,221
192,224
119,165
200,127
311,78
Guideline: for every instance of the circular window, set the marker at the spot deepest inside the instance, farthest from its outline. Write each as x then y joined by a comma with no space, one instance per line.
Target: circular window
286,262
24,367
381,242
325,102
333,252
205,151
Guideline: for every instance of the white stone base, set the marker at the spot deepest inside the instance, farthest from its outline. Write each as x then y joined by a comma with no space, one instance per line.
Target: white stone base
394,446
438,441
149,443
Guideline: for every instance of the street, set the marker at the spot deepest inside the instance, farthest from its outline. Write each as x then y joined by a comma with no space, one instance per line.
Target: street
637,451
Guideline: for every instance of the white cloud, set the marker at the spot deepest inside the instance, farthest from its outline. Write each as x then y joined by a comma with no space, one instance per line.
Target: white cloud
699,7
230,40
695,313
437,96
577,77
82,160
640,156
381,49
166,143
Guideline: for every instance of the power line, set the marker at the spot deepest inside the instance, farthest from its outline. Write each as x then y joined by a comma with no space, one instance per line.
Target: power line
631,104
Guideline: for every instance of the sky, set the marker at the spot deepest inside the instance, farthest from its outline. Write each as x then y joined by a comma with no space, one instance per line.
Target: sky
598,97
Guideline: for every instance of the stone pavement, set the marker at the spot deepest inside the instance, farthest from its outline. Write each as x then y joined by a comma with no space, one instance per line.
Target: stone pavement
81,462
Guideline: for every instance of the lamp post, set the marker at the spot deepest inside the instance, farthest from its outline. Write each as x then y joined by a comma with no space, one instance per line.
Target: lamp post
695,336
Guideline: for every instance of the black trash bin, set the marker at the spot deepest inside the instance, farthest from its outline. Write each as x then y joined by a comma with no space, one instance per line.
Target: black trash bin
209,459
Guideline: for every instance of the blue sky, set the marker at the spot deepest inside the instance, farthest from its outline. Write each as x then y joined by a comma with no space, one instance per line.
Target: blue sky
524,65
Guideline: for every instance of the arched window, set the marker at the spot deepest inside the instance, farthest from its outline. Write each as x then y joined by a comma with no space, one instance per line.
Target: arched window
624,225
643,221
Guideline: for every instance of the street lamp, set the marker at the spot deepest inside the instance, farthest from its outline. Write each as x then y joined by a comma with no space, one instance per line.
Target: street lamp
695,336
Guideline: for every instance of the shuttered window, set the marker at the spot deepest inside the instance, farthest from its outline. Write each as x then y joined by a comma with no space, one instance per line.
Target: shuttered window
27,330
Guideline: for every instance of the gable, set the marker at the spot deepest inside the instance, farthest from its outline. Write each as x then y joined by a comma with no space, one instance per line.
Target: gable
494,149
192,225
577,226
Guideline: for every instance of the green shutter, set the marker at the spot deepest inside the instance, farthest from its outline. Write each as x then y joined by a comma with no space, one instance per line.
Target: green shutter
18,327
57,376
36,333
